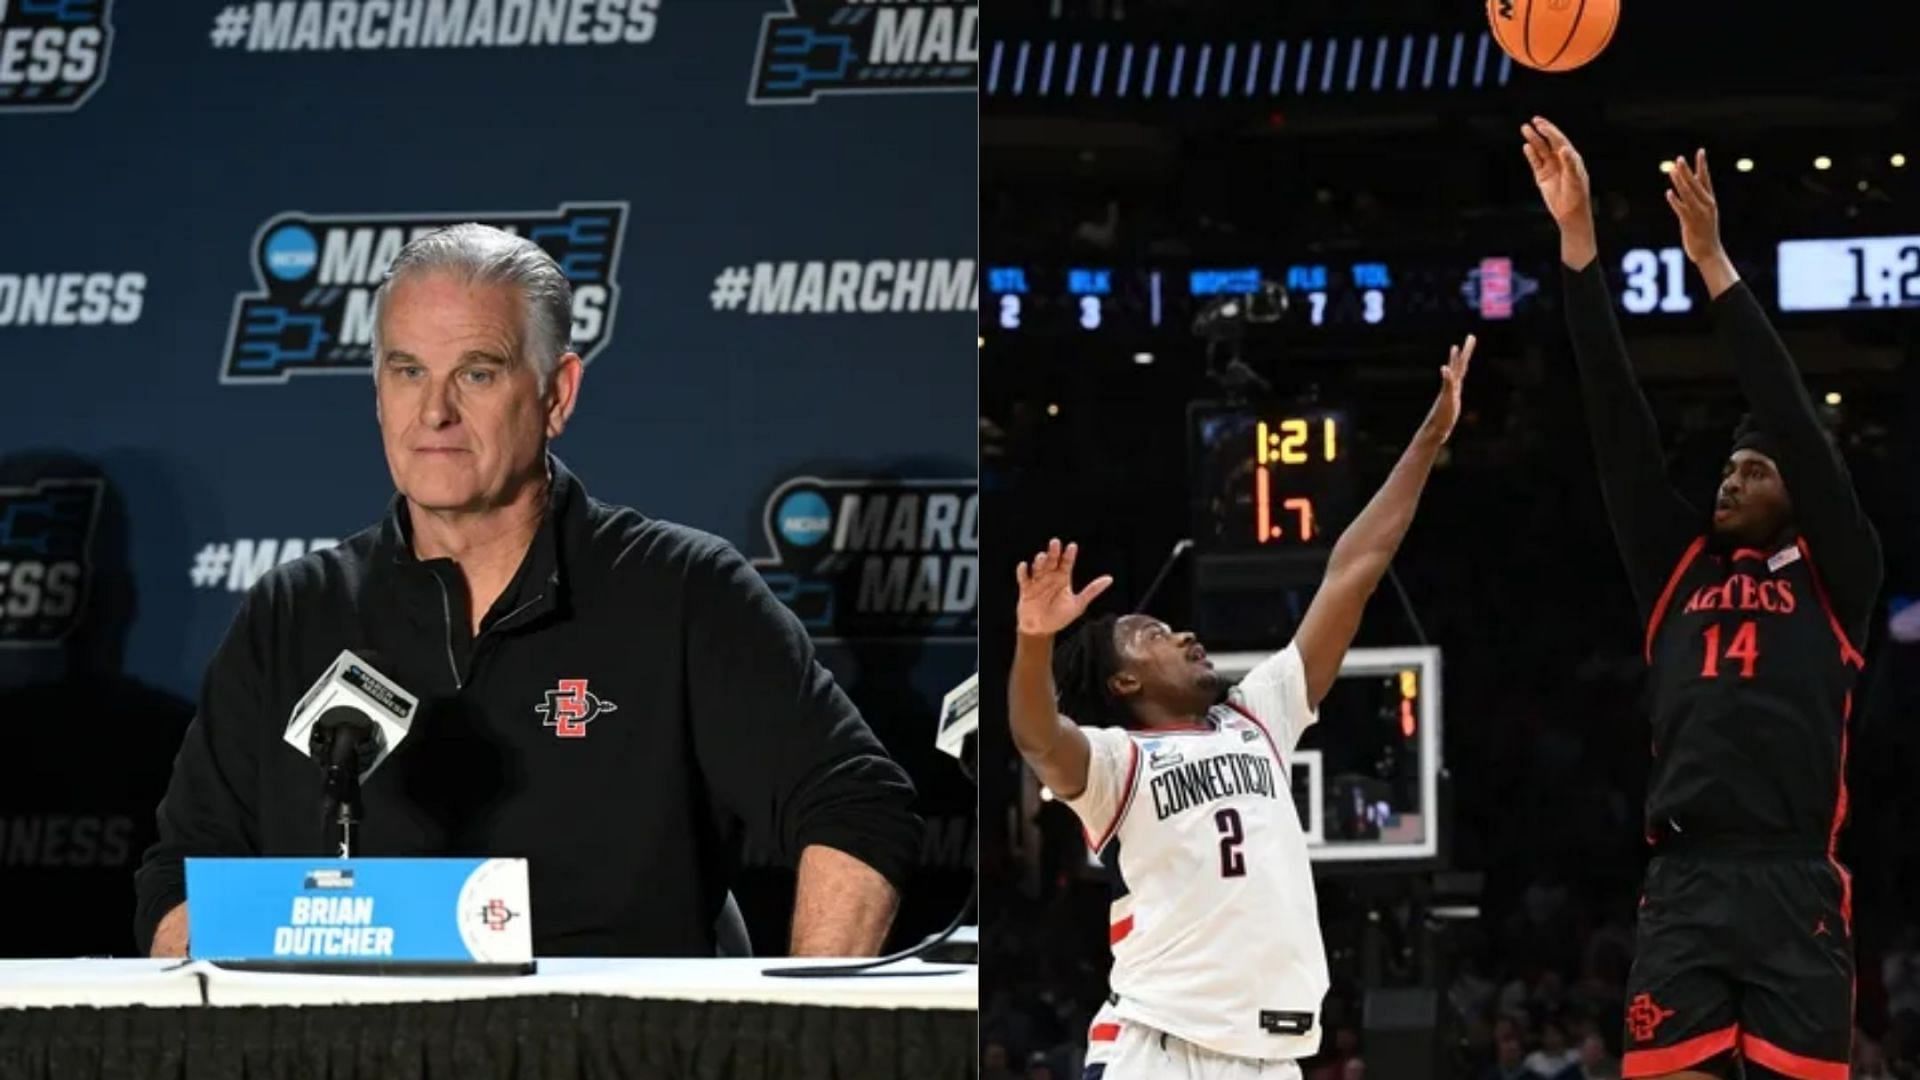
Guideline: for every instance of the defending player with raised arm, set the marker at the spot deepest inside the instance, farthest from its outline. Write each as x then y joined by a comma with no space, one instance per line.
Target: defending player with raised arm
1752,620
1182,786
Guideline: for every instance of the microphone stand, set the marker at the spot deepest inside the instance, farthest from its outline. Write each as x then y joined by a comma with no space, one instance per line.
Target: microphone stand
342,806
343,803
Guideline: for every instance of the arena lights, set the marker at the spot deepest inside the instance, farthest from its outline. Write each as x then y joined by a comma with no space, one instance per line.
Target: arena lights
1898,161
1833,397
1222,69
1666,167
1823,163
1053,409
1143,358
1745,164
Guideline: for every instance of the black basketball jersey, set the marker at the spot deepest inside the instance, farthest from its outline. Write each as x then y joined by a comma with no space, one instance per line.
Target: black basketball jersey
1752,655
1752,684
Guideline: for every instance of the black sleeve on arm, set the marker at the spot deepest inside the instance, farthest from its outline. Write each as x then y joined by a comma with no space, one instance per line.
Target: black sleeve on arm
209,805
779,742
1652,523
1826,511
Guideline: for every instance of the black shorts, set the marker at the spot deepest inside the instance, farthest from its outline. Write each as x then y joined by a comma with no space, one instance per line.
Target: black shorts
1746,956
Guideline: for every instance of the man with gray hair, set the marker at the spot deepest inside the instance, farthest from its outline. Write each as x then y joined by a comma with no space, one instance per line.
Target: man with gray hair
620,700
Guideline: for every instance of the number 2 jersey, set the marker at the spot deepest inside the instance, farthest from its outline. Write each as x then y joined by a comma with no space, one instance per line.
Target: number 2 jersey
1753,654
1214,928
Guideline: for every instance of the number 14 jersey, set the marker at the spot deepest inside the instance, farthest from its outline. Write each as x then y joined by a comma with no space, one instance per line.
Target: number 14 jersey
1752,685
1214,928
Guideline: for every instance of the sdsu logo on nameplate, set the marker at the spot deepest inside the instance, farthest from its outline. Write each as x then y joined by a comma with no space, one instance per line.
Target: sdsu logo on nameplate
876,558
46,531
852,47
53,53
492,912
316,274
495,914
569,709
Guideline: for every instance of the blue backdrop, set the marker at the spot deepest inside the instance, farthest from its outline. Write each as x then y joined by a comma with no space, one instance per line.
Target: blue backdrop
768,211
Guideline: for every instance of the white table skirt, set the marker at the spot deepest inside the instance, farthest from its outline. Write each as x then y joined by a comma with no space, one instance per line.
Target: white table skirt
169,983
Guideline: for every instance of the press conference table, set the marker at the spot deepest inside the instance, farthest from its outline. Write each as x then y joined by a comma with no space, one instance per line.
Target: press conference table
654,1019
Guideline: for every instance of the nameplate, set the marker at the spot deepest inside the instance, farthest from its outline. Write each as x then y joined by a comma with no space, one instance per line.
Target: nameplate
347,912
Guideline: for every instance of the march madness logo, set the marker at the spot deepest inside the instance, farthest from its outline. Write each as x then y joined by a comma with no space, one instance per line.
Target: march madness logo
53,53
46,531
876,558
571,707
312,312
860,47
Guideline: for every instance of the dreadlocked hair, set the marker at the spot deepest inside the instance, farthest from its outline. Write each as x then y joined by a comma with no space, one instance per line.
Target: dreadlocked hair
1082,664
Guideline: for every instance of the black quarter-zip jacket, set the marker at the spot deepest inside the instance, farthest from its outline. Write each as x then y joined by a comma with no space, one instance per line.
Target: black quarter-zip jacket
708,718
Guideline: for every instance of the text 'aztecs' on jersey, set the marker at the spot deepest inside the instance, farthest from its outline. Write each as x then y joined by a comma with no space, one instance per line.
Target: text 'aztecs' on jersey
312,310
1214,926
1753,682
819,47
876,558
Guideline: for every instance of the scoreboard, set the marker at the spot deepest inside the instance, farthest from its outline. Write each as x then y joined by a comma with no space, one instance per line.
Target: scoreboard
1268,477
1329,293
1361,294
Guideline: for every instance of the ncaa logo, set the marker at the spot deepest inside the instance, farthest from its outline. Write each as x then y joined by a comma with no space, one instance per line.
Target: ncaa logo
53,53
805,518
291,252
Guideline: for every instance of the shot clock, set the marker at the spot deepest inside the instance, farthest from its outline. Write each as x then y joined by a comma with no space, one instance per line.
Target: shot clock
1269,477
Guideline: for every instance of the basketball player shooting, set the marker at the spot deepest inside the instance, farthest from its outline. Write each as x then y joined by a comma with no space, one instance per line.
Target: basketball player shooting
1183,790
1744,945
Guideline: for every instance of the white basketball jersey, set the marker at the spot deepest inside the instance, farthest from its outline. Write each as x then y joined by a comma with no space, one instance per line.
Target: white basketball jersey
1215,933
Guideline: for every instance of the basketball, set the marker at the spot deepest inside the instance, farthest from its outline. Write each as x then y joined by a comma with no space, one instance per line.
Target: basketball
1553,35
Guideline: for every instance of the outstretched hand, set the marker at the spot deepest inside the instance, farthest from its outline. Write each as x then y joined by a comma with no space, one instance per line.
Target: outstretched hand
1558,171
1453,376
1691,195
1048,603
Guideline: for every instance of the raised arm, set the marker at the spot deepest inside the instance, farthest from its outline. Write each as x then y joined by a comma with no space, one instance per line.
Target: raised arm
1652,523
1826,509
1053,745
1365,549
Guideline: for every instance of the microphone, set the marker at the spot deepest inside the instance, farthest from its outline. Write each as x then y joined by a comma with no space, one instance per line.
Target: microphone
959,722
348,722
